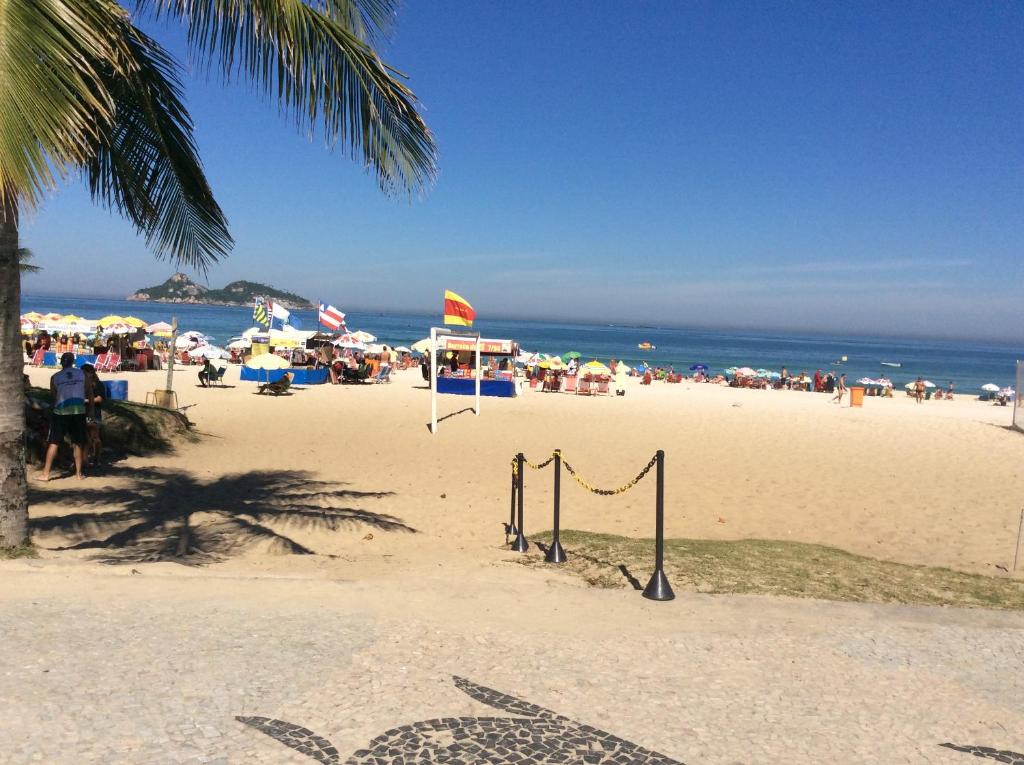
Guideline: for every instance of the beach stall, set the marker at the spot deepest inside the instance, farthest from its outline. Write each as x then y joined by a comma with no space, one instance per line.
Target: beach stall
458,357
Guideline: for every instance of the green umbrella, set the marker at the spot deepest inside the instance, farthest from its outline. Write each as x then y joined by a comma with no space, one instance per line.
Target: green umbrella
571,355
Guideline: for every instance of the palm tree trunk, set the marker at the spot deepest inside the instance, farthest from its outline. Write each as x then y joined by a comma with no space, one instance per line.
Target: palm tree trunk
13,490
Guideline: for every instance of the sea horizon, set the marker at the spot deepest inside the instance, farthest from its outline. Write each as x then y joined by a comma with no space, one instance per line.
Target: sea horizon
759,331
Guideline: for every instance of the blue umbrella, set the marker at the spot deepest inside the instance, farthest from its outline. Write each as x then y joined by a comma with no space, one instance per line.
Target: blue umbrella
701,367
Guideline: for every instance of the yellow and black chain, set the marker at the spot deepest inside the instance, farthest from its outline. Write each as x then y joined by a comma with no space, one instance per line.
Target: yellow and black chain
582,481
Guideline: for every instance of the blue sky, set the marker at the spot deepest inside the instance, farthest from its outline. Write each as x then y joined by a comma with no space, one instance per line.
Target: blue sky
852,167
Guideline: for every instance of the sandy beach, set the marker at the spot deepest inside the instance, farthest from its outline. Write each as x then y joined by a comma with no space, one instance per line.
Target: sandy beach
938,483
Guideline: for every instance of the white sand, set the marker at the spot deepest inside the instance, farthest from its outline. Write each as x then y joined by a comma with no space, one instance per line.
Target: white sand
938,483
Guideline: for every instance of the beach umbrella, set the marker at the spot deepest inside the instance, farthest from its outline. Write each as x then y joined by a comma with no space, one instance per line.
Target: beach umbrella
990,387
929,384
731,370
774,376
160,329
117,328
32,316
347,342
364,337
866,381
375,348
403,349
596,368
566,357
185,339
761,372
240,344
110,319
422,346
267,361
745,372
554,363
699,368
28,327
134,321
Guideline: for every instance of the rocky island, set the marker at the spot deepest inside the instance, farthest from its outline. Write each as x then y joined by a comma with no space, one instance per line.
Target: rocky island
181,289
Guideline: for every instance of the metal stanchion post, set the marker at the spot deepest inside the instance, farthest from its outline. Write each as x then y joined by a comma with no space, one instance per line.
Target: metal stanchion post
512,509
555,552
520,544
659,588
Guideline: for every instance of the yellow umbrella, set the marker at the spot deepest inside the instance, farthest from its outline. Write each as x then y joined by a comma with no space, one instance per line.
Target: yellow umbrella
72,319
111,319
132,321
31,316
596,368
267,361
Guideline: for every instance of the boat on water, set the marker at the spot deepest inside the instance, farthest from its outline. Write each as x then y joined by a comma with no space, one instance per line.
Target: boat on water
645,346
895,364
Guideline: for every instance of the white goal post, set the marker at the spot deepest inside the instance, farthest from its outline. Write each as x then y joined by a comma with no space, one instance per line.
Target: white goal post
435,333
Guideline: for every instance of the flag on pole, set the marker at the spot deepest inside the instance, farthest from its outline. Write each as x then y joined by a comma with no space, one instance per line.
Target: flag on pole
259,313
331,317
457,310
278,315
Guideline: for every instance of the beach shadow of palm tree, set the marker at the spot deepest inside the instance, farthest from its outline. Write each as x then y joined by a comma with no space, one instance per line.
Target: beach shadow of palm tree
171,515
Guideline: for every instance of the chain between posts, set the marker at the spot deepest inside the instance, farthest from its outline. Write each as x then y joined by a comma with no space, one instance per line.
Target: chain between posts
586,484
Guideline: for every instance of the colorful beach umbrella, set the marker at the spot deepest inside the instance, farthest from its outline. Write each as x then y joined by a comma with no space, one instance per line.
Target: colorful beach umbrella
267,361
364,337
160,329
745,372
566,357
595,367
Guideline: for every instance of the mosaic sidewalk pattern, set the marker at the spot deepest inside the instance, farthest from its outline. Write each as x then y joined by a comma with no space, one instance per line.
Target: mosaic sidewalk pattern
535,736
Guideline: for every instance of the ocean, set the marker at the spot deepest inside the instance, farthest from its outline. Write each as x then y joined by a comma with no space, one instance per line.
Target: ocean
969,365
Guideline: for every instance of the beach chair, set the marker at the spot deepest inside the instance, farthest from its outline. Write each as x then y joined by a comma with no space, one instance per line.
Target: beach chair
110,362
570,384
383,376
217,378
583,387
184,358
279,387
358,375
38,357
101,362
602,385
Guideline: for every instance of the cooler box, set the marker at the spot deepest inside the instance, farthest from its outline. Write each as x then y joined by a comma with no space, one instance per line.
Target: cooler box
117,390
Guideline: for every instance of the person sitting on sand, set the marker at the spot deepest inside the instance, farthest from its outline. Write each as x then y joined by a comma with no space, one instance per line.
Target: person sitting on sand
67,418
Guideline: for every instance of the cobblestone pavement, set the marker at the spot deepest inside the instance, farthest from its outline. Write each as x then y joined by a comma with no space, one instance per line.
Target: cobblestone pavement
102,665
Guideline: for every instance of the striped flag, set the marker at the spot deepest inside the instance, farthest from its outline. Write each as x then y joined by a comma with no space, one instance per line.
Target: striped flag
259,313
457,310
331,317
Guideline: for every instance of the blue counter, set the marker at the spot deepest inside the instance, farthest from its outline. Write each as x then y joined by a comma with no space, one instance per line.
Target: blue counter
301,376
464,386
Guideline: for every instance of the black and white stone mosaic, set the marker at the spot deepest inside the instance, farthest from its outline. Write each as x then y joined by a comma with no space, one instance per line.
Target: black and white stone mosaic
990,753
534,736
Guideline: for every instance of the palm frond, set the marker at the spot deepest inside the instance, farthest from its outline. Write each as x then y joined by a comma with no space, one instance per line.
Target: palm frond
52,105
24,256
314,58
146,164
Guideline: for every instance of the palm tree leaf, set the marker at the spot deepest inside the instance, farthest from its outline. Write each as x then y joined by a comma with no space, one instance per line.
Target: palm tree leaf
317,64
24,256
52,105
146,164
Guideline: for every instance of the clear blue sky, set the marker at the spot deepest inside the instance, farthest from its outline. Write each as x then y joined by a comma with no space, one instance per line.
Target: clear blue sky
820,166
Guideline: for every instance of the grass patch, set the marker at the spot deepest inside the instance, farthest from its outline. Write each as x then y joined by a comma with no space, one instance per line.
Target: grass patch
766,567
26,550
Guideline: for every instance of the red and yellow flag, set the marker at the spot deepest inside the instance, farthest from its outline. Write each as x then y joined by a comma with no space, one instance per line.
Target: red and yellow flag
457,310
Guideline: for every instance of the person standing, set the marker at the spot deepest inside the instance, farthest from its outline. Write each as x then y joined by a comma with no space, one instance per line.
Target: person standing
840,389
93,415
67,418
620,379
919,390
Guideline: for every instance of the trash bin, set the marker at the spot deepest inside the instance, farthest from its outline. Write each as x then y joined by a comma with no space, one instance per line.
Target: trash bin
856,396
117,390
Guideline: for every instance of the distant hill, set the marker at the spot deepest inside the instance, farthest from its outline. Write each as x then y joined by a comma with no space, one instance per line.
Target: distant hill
181,289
